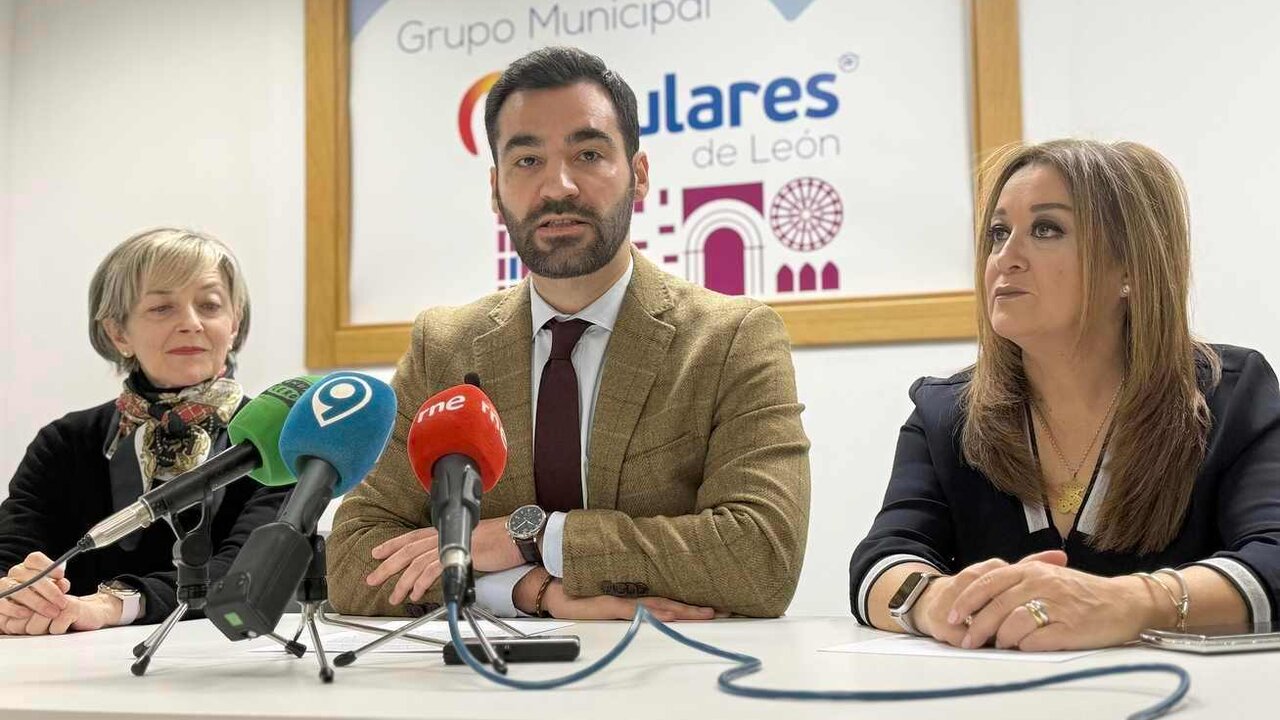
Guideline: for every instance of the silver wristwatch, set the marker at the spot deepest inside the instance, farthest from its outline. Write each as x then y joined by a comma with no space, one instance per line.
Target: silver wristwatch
905,598
124,592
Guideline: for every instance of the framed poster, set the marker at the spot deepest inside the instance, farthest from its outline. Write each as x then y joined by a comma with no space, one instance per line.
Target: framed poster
818,155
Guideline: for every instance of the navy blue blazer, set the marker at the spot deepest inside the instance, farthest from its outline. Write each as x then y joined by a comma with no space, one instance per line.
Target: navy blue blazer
938,510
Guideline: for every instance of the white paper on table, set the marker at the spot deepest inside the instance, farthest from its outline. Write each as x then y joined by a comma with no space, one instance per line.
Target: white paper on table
928,647
337,641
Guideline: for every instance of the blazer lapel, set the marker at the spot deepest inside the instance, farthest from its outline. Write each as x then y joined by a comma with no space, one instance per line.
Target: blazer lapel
502,360
637,349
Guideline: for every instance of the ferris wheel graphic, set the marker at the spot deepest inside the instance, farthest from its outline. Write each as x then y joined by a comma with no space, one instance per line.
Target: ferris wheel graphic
806,214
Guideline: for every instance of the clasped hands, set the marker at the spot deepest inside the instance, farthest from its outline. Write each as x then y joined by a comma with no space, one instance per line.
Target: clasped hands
47,607
415,558
986,604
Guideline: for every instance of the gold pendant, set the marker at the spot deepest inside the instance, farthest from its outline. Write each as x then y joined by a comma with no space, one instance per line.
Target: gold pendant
1069,499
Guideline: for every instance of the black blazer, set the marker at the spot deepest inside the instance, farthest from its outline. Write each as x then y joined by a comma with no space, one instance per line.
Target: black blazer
940,511
62,488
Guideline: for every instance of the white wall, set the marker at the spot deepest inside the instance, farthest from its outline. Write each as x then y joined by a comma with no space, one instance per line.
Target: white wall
7,11
127,114
1196,81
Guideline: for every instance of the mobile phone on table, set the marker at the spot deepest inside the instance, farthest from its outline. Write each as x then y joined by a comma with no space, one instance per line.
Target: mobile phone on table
1243,637
536,648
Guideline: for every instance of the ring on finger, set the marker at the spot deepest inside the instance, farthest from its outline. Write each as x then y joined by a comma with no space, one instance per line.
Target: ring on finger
968,620
1036,607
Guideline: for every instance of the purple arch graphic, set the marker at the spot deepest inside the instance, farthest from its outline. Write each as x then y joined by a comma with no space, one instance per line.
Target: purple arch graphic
725,258
786,280
830,277
808,278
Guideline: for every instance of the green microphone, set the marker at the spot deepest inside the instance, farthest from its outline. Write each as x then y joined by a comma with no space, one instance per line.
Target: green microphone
259,424
254,451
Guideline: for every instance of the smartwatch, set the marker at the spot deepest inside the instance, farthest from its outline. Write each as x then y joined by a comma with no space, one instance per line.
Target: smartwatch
905,598
524,526
130,597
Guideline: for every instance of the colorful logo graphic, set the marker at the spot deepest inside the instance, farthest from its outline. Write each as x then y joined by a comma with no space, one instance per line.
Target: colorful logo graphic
806,214
472,96
720,235
672,111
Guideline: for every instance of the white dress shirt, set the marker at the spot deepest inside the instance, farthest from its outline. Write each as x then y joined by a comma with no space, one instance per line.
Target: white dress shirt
494,591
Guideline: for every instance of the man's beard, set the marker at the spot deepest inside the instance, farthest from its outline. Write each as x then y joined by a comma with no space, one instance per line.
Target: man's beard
561,261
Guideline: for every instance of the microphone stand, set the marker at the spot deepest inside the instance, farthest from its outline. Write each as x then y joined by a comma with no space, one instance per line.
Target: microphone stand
467,609
191,554
312,594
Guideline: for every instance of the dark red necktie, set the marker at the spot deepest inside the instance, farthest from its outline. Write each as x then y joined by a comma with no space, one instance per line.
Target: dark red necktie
557,443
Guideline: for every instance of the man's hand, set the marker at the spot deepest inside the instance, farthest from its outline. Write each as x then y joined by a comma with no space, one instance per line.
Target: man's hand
601,607
607,607
415,556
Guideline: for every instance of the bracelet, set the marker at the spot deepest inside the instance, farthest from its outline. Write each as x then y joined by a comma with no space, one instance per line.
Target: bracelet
542,591
1184,603
1153,579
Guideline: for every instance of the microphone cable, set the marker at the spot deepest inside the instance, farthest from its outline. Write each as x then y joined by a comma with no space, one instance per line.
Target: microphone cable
84,544
748,665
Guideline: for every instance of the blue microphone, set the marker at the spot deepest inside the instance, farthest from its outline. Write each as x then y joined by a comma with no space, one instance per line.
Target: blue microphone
331,439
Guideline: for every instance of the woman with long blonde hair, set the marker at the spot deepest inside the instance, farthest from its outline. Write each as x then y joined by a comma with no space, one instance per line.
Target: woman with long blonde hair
1098,470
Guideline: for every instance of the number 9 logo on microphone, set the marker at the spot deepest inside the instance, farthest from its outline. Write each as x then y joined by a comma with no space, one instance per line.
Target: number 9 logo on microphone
340,397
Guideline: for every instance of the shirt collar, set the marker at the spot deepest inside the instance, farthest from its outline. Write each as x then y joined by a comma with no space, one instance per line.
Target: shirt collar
601,313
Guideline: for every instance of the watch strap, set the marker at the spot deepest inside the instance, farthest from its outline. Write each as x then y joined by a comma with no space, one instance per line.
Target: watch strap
529,550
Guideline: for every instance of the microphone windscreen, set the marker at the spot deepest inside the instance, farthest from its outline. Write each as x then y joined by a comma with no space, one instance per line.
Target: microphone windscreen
345,419
259,423
461,420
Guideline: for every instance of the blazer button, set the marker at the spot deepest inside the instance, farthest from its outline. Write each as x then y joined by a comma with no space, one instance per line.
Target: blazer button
624,589
417,610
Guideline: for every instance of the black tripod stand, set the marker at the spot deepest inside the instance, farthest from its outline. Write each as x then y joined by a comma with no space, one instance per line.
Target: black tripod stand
312,593
467,610
191,555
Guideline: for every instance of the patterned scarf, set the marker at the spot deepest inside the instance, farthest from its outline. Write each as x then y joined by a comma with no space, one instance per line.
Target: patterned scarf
175,427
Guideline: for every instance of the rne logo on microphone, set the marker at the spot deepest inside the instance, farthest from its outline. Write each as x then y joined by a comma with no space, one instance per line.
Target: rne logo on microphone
339,398
492,413
457,402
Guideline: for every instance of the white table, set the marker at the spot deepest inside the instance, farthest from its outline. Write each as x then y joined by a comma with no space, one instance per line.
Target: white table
199,674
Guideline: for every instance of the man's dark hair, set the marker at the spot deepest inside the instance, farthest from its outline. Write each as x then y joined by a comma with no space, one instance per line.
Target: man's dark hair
556,67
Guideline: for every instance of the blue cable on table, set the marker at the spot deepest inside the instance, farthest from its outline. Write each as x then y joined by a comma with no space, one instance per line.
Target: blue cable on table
748,665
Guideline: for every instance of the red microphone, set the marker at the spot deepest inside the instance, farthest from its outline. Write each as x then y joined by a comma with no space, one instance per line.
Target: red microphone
458,450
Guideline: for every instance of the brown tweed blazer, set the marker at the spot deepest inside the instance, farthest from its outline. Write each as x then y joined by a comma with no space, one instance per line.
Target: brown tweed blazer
698,474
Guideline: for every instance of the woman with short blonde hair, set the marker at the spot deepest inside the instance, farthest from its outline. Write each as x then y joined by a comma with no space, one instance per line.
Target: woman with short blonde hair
1098,470
169,308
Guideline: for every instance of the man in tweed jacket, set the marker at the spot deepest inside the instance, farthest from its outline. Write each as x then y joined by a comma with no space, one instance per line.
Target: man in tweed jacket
695,473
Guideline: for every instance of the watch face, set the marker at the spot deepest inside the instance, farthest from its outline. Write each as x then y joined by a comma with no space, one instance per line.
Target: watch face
905,590
526,521
118,589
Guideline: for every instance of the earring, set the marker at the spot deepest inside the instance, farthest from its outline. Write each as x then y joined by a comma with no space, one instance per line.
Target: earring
1124,290
127,354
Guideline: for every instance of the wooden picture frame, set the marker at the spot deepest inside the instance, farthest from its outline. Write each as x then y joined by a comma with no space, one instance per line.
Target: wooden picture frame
333,341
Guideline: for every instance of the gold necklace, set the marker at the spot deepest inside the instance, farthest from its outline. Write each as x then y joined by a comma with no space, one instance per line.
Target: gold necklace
1071,494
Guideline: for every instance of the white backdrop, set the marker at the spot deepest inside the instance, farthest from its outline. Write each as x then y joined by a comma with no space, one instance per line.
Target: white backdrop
7,275
1198,83
132,113
879,104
